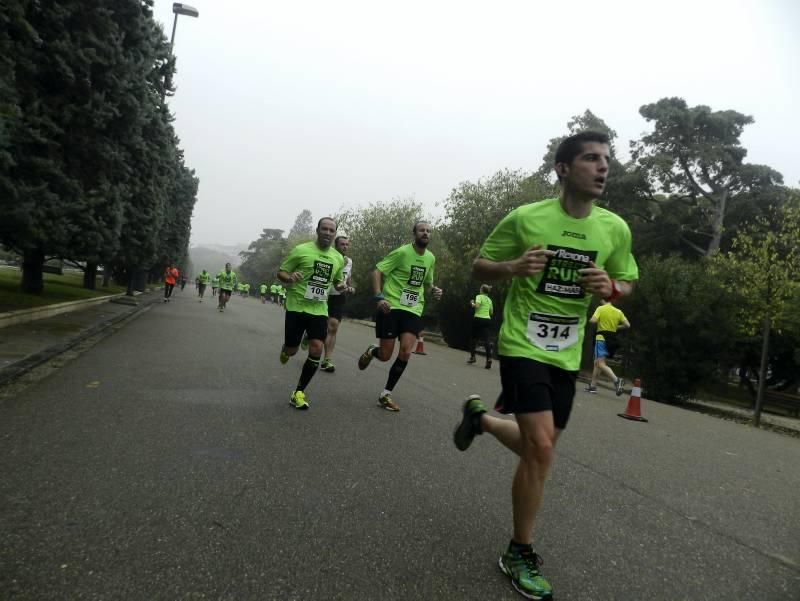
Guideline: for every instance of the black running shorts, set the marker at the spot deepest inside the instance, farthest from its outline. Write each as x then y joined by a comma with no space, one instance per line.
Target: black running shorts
298,322
480,327
530,386
336,306
396,322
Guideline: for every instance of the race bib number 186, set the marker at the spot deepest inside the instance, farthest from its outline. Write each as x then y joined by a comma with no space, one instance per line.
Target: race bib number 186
553,333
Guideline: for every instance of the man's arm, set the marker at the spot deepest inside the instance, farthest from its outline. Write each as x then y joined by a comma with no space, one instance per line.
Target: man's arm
531,262
624,325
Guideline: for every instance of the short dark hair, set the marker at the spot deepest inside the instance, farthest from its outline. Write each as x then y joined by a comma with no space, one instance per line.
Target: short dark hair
319,223
572,146
417,222
485,288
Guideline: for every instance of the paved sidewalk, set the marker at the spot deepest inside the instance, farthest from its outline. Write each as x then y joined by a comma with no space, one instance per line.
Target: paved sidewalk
24,346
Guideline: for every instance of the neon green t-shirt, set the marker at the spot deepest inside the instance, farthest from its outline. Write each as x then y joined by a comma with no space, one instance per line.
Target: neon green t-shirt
282,292
608,319
320,269
215,281
262,289
247,287
204,277
483,307
273,289
406,274
227,281
545,315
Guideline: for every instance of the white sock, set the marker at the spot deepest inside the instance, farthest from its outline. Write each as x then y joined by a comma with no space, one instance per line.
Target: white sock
385,392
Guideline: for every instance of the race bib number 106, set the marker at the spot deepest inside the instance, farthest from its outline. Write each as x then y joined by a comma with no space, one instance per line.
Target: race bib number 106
553,333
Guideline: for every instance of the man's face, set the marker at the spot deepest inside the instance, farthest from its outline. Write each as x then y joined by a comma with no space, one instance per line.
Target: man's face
342,245
326,232
588,173
422,234
227,267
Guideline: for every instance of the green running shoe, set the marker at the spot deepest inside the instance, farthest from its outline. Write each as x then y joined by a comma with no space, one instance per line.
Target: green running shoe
385,401
523,569
328,366
470,422
298,400
283,357
304,341
366,357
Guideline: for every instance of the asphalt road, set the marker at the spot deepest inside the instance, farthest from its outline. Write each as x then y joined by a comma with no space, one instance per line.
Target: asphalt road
166,463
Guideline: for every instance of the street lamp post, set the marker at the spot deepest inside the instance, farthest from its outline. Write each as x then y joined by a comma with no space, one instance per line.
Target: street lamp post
179,9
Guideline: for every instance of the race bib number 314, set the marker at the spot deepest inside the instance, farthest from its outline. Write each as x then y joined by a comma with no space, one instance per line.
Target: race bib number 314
553,333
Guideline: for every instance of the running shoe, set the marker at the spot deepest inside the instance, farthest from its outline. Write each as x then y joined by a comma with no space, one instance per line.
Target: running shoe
522,566
284,357
328,366
304,341
488,365
618,386
472,360
365,359
385,401
298,400
470,422
590,388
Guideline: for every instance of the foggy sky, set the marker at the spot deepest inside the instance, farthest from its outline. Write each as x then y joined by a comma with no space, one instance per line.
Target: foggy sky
283,106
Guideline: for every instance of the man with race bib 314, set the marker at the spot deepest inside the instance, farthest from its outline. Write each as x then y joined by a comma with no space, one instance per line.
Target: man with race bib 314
557,254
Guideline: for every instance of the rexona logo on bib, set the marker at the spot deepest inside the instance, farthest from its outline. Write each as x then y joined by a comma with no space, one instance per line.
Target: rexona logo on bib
417,275
560,276
317,288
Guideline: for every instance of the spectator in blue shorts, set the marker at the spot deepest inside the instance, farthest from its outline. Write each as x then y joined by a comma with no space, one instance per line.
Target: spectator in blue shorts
608,319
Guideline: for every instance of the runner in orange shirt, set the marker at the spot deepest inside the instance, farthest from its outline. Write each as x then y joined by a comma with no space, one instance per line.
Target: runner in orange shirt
170,279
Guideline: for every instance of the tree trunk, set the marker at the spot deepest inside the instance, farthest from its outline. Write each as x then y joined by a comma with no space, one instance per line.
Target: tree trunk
106,276
131,271
762,371
90,276
719,224
32,262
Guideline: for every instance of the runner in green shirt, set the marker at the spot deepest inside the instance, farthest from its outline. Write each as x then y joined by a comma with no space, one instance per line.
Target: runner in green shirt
484,309
406,273
282,296
557,254
227,284
310,269
273,293
214,285
202,281
262,292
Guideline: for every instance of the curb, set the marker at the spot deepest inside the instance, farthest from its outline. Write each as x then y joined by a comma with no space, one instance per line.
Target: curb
19,368
12,318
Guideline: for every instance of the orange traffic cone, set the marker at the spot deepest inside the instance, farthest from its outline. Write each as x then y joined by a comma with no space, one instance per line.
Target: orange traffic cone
420,346
634,410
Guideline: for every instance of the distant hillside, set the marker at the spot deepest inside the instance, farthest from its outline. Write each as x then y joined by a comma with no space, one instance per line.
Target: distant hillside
214,256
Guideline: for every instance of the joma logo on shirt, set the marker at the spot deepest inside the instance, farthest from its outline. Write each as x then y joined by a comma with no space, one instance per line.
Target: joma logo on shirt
573,235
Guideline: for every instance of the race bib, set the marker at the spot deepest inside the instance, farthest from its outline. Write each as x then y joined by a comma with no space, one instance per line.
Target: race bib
409,298
553,333
316,293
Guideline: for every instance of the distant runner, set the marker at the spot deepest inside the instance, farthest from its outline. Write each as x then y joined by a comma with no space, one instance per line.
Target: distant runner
227,284
202,281
608,319
484,309
171,275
